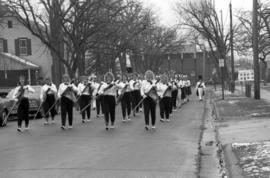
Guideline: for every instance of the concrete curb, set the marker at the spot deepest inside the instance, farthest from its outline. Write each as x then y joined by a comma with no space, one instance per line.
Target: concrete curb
209,166
225,154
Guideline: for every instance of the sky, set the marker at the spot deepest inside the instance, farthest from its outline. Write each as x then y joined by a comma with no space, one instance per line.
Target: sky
164,9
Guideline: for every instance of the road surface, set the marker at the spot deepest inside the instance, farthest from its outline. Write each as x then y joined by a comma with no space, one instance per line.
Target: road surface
88,150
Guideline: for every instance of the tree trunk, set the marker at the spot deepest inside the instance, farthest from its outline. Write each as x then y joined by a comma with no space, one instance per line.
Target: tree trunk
81,64
264,72
122,60
56,38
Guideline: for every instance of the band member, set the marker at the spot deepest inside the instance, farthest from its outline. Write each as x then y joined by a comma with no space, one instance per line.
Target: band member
108,90
125,97
48,96
85,89
66,94
164,90
174,94
135,93
21,97
200,88
149,102
181,84
188,87
97,97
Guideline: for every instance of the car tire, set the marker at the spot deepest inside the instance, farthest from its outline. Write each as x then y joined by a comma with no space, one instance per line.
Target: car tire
3,122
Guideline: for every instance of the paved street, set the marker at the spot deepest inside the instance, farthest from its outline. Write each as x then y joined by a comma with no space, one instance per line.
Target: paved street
89,151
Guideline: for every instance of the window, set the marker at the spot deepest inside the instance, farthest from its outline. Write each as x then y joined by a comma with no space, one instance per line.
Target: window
1,45
10,24
23,47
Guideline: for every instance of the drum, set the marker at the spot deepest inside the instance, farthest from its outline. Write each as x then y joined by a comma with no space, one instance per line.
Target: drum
153,94
70,95
168,92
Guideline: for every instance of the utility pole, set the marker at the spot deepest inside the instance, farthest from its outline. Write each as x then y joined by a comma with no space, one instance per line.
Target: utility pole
255,51
232,50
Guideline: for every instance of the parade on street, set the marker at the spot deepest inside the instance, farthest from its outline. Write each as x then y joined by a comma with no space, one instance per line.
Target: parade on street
134,88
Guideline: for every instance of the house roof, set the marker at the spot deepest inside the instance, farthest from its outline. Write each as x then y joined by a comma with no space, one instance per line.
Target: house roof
23,63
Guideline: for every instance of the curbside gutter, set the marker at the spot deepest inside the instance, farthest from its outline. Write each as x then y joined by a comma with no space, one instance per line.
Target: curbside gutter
220,149
210,162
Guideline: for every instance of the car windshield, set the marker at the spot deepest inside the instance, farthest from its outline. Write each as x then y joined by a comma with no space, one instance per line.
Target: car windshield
35,95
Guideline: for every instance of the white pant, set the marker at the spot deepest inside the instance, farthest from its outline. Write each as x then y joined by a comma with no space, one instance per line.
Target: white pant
200,91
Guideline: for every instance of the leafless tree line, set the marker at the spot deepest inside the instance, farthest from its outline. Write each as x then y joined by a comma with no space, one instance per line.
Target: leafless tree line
207,29
105,29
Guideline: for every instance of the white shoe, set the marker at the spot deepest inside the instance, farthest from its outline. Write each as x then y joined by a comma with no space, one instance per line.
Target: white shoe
140,109
27,128
128,118
52,122
88,120
162,120
112,127
70,127
124,120
153,127
168,120
46,123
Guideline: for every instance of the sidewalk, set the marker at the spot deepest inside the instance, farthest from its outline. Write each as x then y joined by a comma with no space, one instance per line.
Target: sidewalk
243,127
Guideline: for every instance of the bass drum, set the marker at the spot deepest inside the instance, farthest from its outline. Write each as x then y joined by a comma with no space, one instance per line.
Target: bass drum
153,94
168,92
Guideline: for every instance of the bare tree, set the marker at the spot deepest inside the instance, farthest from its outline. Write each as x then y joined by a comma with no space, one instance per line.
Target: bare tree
243,36
123,34
67,25
202,18
3,11
157,43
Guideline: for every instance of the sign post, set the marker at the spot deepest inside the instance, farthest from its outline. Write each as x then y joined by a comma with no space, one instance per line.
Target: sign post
221,65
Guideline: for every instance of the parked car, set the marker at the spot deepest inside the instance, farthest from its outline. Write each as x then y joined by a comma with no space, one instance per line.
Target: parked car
7,103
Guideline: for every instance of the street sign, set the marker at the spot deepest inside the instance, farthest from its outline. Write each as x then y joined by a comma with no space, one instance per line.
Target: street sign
221,62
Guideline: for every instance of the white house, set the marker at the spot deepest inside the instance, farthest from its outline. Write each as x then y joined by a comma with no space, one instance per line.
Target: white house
246,75
19,46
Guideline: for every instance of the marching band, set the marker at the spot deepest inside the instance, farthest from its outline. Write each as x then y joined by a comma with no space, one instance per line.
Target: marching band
133,92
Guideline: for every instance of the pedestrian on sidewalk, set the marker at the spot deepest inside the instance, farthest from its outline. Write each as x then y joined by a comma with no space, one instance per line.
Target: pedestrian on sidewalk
200,88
